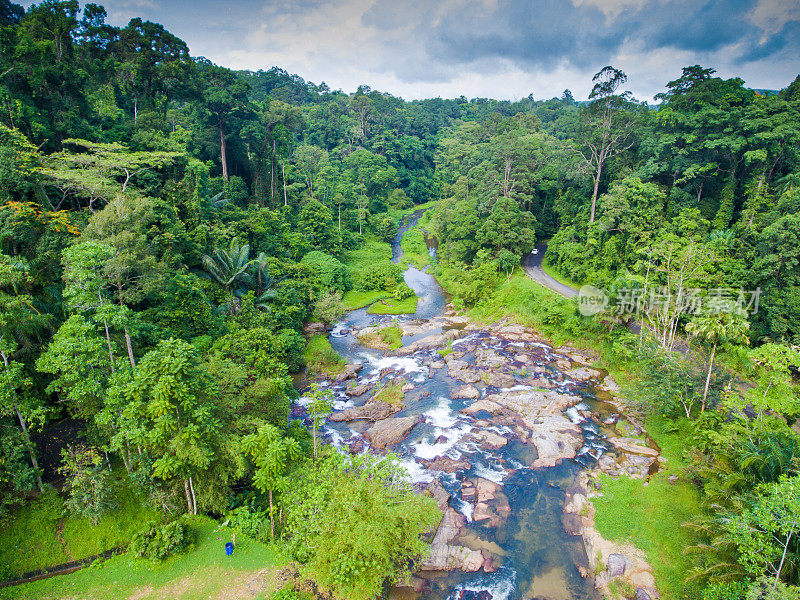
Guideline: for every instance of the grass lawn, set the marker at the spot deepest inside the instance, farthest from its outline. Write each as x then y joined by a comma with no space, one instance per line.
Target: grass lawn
415,250
651,517
321,358
39,535
390,306
354,299
202,572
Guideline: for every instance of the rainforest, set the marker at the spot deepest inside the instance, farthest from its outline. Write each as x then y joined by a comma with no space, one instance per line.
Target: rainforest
262,338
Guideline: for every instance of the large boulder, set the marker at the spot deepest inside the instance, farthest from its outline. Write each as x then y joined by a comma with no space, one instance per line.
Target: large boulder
371,411
388,432
465,392
616,565
359,389
583,374
443,556
489,439
447,464
349,372
489,358
632,446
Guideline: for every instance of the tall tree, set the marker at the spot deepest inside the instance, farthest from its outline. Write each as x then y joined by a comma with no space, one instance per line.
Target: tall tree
608,126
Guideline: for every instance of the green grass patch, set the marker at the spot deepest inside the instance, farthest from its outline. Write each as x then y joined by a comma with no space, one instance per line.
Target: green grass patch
355,299
652,517
321,358
553,272
202,572
390,337
399,214
42,534
391,393
391,306
415,250
370,252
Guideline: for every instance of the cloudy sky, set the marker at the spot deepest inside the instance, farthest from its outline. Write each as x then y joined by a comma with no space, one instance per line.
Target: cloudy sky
493,48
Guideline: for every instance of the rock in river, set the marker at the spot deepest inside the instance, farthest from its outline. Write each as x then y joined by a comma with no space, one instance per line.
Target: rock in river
467,392
447,464
349,372
388,432
371,411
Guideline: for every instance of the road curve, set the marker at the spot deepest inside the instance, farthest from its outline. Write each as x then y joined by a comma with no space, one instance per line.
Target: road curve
532,264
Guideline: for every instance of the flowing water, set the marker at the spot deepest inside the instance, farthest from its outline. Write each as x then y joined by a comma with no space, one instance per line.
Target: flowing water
534,557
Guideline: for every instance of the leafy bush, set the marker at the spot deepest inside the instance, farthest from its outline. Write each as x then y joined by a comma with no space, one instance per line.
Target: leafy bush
157,541
356,522
329,308
250,520
287,593
385,227
402,291
379,276
328,270
91,489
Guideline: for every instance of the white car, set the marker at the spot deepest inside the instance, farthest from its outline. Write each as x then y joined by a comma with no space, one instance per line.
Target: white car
535,251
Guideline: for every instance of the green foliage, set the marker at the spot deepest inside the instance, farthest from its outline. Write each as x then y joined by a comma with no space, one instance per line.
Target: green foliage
385,227
415,250
355,522
91,489
157,541
328,270
321,358
128,575
378,276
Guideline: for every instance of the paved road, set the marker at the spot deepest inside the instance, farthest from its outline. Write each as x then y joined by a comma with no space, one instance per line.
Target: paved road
532,263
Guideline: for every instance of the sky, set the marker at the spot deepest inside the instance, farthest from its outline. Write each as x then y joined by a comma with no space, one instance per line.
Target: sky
505,49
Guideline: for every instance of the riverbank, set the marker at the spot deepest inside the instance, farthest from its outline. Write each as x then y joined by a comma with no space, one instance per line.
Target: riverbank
647,512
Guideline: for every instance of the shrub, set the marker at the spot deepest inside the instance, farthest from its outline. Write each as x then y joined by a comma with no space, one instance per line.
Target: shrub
91,492
385,227
379,276
328,270
250,521
329,308
157,541
402,291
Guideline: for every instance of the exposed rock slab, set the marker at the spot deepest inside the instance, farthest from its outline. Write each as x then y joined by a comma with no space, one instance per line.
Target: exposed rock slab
388,432
447,464
371,411
466,392
349,372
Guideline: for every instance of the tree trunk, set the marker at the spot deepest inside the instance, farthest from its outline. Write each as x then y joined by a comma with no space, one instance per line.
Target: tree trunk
108,341
283,170
188,495
271,518
314,434
28,443
222,151
596,188
708,378
130,348
783,558
194,500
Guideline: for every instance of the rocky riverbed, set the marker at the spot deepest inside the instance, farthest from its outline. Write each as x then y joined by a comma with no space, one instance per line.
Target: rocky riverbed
504,431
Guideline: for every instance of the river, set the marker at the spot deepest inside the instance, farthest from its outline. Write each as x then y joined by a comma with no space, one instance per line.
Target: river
531,555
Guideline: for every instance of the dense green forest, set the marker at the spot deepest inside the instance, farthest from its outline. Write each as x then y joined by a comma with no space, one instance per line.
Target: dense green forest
168,228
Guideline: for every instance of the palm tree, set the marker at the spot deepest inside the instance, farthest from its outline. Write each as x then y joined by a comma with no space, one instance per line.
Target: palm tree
229,267
726,324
